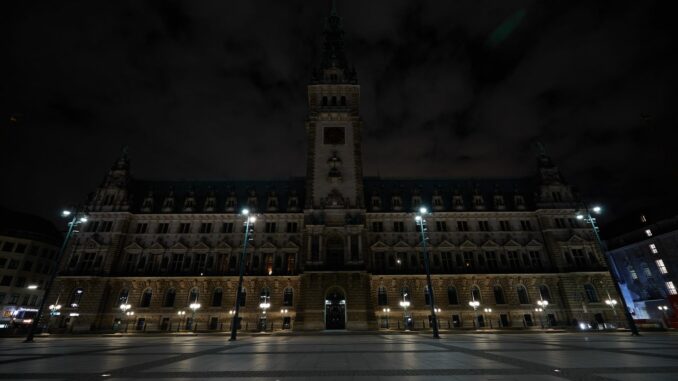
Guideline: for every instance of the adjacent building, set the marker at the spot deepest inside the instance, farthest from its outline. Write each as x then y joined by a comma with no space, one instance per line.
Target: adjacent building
28,252
335,249
646,261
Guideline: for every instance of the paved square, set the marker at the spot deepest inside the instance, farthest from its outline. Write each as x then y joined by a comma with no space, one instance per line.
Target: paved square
463,357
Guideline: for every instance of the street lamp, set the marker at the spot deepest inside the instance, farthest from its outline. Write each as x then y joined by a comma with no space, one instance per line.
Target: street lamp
264,305
488,311
124,307
194,306
404,304
474,304
78,218
542,307
129,315
586,216
181,319
663,309
238,294
612,303
386,311
421,221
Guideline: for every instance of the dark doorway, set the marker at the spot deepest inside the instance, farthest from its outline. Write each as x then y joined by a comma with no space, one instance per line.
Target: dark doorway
527,318
335,252
552,322
456,321
335,310
286,322
164,326
214,323
503,318
481,321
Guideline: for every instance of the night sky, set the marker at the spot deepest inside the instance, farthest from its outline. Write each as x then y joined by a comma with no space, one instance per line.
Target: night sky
217,90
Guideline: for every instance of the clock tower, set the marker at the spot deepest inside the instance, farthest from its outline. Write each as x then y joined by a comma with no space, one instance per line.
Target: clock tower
333,128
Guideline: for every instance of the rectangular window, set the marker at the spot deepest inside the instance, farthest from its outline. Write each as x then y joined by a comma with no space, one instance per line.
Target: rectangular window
27,266
648,232
578,256
13,264
92,226
441,226
142,228
535,259
661,266
469,263
447,260
653,248
334,135
227,227
377,226
398,226
270,227
206,228
484,226
3,261
20,281
8,247
671,288
184,228
105,226
491,260
163,228
505,226
514,260
560,223
573,222
20,248
6,280
292,227
462,226
526,225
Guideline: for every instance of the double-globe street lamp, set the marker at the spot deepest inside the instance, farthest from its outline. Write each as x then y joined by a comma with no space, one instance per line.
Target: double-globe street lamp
238,294
586,216
77,218
475,304
488,311
421,221
194,307
405,304
124,307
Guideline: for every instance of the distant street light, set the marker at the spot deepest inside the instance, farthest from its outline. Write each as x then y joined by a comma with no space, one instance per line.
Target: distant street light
238,294
586,216
78,218
421,221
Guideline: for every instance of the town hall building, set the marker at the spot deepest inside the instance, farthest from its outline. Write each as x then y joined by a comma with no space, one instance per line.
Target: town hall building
335,249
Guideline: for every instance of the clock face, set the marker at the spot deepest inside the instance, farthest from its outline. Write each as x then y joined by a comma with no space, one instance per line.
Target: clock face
334,135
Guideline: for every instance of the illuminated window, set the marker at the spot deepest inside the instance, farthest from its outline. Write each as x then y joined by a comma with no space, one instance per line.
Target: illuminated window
660,266
632,272
671,288
653,248
648,232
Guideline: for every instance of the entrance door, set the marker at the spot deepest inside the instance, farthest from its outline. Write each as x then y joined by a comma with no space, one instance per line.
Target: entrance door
504,320
335,310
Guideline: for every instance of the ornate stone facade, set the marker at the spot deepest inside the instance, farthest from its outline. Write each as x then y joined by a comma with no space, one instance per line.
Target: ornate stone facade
335,249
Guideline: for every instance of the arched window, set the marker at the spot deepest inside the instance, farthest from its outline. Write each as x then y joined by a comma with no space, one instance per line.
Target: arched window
405,294
124,295
499,295
523,298
591,293
170,295
452,297
288,297
544,293
146,298
427,296
382,297
193,295
243,297
217,296
475,294
76,297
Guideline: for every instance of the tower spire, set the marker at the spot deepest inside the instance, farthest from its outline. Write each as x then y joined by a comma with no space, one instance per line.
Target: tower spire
333,63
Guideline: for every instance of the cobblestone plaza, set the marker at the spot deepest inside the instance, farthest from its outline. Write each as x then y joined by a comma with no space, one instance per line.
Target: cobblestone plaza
608,356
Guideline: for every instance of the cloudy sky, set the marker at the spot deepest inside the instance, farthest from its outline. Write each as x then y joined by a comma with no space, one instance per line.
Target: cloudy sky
216,90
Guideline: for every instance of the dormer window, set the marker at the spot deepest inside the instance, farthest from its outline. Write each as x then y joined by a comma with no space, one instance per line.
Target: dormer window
189,204
293,202
557,197
478,202
416,202
168,204
397,202
147,206
231,203
376,202
437,202
499,202
210,203
272,203
252,202
458,202
519,201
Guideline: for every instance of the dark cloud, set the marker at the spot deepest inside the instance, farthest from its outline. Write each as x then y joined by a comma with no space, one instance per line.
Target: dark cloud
204,90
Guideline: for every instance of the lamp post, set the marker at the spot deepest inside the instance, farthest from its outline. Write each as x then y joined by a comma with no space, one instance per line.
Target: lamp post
663,309
404,304
542,307
264,305
386,312
488,311
421,221
612,303
283,312
474,304
129,315
238,294
124,307
77,218
194,306
181,315
586,216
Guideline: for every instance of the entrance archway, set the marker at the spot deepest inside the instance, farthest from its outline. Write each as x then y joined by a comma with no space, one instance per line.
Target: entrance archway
335,309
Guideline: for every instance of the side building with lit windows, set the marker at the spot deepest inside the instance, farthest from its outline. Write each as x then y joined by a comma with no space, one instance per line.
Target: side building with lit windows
334,249
646,261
